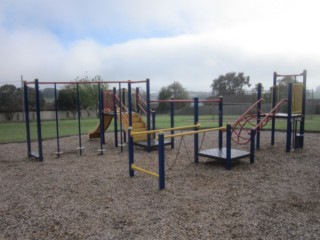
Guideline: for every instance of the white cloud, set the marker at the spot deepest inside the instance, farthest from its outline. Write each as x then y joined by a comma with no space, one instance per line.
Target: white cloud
190,42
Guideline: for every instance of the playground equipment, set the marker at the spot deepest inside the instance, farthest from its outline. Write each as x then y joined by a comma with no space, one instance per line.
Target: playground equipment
115,107
104,116
226,153
255,119
195,103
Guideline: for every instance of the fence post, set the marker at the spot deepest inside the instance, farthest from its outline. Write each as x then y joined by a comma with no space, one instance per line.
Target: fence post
172,121
228,147
131,153
289,118
26,112
220,122
252,143
259,114
38,120
57,118
79,121
196,135
115,117
148,114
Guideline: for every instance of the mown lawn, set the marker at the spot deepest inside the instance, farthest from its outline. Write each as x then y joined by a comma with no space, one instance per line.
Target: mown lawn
16,131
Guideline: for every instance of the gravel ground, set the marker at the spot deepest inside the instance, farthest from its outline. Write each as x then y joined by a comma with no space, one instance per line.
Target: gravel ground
92,196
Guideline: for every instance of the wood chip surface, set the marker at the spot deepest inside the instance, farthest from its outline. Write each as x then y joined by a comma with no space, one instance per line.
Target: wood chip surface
92,196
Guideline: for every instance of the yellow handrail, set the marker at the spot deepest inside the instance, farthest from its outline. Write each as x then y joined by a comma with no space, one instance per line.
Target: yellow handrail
133,133
194,132
134,167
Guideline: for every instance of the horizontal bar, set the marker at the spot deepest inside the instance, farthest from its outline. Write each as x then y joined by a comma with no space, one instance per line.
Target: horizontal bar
173,101
194,132
87,82
183,101
289,75
213,100
133,133
134,167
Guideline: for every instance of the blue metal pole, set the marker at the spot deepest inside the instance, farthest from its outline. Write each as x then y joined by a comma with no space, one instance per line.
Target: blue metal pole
259,114
123,96
274,99
101,118
172,122
161,161
57,119
137,100
289,118
129,103
38,120
79,122
303,112
121,112
131,153
153,120
252,143
196,136
220,122
148,114
26,112
115,117
228,148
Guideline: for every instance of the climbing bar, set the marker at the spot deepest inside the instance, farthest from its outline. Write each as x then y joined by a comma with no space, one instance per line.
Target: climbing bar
134,167
253,106
88,82
183,101
270,114
195,132
133,133
290,75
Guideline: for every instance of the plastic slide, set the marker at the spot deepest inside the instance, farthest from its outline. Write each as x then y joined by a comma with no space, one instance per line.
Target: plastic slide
95,133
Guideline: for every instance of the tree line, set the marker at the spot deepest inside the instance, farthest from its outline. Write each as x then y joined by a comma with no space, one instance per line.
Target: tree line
11,97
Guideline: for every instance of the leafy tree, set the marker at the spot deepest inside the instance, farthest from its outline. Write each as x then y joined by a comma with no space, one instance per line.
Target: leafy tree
164,94
48,94
11,100
67,100
89,95
175,91
230,84
9,103
317,93
282,86
32,98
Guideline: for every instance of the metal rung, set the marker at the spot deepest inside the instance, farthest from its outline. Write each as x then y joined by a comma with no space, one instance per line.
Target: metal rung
134,167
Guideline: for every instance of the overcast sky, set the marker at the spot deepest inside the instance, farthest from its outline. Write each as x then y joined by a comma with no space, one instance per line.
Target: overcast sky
192,42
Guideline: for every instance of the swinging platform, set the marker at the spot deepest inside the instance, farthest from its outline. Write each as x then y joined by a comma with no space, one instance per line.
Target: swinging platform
221,154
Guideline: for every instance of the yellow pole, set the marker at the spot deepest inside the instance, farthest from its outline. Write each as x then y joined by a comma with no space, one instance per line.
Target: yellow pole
195,132
164,130
134,167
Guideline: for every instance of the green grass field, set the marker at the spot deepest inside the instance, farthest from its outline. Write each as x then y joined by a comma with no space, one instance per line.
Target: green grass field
16,131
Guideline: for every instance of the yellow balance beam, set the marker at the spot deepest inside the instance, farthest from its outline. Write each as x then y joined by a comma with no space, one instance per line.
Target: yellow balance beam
195,132
134,167
133,133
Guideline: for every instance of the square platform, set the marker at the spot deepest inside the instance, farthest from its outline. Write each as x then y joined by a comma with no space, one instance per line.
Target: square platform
153,144
221,154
